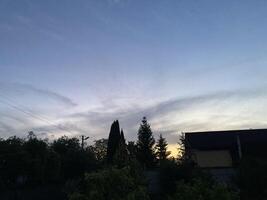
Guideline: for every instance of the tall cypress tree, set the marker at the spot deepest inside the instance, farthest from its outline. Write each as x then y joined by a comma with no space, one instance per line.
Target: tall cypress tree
122,139
121,156
145,144
113,141
161,149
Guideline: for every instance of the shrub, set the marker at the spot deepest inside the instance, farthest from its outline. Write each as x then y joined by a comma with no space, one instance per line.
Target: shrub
202,189
111,184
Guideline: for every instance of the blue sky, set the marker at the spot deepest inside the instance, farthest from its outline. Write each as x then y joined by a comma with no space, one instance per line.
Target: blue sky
188,65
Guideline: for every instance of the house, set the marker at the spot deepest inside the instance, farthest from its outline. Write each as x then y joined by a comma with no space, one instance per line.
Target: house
220,152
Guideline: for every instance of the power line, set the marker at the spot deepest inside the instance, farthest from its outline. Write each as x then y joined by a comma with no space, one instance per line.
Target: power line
29,113
22,107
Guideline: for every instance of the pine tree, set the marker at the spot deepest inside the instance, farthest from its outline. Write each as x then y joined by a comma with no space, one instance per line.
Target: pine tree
184,156
161,149
145,144
113,141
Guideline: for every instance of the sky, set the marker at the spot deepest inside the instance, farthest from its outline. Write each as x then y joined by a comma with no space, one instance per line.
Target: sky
72,67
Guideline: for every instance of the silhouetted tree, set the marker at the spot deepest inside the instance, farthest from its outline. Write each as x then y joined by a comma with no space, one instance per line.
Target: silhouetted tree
14,161
184,152
52,166
27,161
36,162
203,188
161,149
38,152
74,160
114,140
64,144
145,144
100,149
121,155
122,138
112,184
173,170
116,143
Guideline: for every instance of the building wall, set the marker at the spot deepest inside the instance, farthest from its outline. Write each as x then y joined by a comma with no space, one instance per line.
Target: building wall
213,158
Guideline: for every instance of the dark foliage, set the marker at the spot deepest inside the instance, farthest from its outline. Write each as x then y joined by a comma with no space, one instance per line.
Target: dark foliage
100,150
202,188
172,171
27,161
145,145
132,149
117,153
111,184
74,160
33,165
33,161
121,157
161,149
113,141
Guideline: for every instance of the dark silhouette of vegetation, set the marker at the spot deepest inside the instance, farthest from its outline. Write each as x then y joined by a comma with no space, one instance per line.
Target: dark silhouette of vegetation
132,149
145,145
121,156
161,149
112,184
117,150
33,163
185,156
112,169
30,161
114,140
202,188
174,170
74,159
100,150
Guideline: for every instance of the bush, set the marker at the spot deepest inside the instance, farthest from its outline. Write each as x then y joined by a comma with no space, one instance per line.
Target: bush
202,188
171,172
111,184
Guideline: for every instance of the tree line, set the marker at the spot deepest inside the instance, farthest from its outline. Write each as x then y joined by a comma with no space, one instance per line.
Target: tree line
146,150
31,161
114,169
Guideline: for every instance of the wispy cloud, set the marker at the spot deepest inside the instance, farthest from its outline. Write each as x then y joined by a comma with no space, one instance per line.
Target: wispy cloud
18,89
24,107
214,111
220,110
6,129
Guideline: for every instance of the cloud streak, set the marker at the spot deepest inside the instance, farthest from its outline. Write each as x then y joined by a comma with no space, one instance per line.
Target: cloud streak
219,110
18,89
214,111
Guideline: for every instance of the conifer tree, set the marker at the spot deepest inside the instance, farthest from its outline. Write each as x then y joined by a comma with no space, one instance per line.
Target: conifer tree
121,156
122,138
145,145
161,149
113,141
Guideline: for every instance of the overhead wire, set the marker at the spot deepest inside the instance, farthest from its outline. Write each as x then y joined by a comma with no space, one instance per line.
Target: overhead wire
11,104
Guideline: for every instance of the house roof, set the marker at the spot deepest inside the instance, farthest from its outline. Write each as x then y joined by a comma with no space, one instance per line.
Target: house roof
226,139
